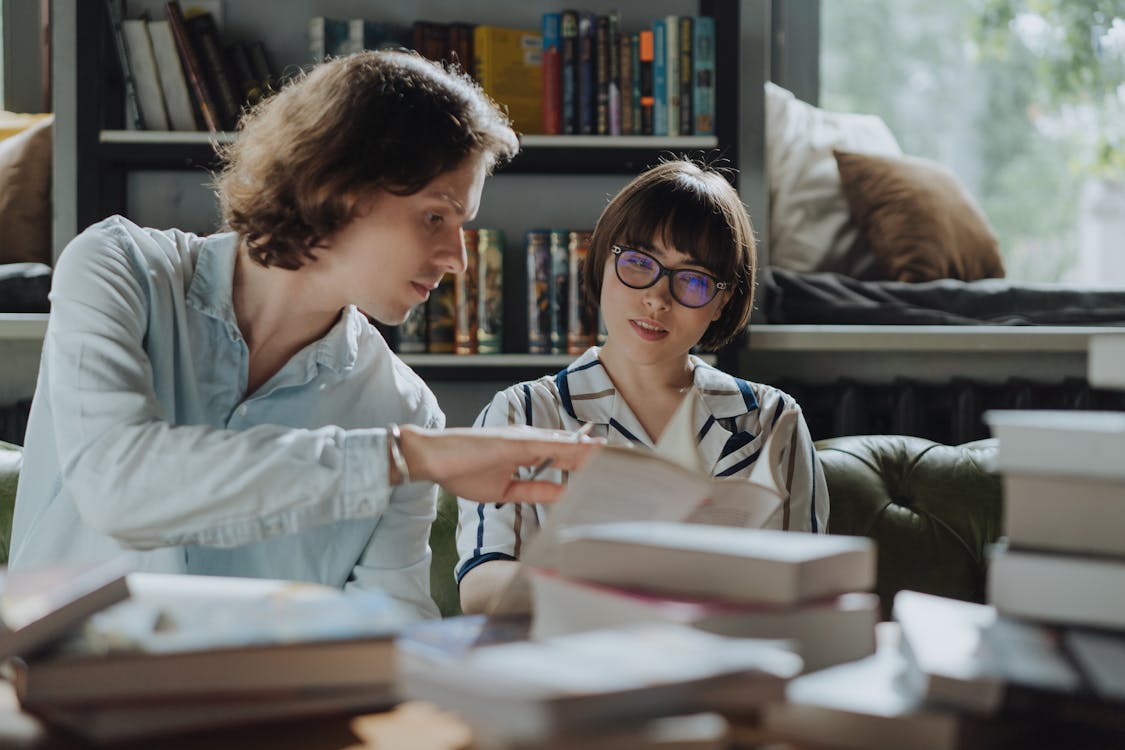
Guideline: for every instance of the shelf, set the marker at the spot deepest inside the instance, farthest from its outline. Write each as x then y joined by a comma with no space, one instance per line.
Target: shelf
584,154
911,338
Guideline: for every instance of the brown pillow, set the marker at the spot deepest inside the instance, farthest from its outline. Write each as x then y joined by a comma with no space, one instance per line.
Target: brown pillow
25,195
918,220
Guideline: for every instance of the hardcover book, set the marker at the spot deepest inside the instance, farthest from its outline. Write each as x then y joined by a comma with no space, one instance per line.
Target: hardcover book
142,63
559,295
703,86
204,37
552,75
686,31
568,54
412,337
581,324
538,291
441,318
173,82
202,94
508,64
490,291
466,298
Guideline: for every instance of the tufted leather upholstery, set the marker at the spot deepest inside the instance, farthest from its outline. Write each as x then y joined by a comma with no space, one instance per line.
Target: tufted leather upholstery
931,509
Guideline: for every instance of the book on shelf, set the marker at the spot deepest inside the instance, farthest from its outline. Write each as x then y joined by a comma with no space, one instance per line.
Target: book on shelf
508,64
146,78
659,77
1106,361
601,74
134,120
173,82
184,637
626,53
202,94
580,329
204,36
672,72
1064,513
538,291
552,74
734,563
1058,588
824,631
262,67
37,607
558,294
1085,444
568,62
412,332
600,680
466,299
587,89
328,37
249,88
430,39
490,291
703,83
686,30
441,317
613,42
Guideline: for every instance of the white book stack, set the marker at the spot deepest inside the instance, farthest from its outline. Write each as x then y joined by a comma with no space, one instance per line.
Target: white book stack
752,583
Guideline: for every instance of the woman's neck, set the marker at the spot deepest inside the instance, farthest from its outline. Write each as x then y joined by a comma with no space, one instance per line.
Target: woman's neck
652,391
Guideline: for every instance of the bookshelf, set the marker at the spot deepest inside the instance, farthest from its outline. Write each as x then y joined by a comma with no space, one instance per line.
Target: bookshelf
159,178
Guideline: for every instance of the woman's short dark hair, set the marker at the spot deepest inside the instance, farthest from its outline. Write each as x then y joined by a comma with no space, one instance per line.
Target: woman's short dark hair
692,207
308,154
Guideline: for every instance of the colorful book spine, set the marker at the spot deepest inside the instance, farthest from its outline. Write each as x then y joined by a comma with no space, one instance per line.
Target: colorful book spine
659,79
672,72
581,324
461,45
587,79
538,291
204,35
490,291
703,90
509,66
412,332
552,75
687,47
466,298
558,294
646,53
625,82
601,74
568,53
441,314
193,68
430,39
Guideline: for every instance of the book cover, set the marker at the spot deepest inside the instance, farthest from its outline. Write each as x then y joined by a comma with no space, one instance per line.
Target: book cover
134,120
430,39
202,95
1085,444
142,63
625,55
173,82
672,72
490,291
568,53
635,75
613,42
587,74
659,78
580,317
703,87
552,74
646,80
466,298
558,294
687,74
509,66
204,36
825,631
441,318
538,291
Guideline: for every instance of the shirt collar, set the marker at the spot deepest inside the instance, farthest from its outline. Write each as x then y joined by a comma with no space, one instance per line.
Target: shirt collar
212,290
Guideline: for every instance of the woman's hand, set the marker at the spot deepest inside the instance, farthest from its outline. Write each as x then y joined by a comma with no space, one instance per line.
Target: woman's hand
482,463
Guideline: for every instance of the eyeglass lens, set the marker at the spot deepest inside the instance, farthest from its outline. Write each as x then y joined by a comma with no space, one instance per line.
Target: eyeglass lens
640,270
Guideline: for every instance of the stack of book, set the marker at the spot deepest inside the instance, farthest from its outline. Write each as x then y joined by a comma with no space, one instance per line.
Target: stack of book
749,583
113,655
179,75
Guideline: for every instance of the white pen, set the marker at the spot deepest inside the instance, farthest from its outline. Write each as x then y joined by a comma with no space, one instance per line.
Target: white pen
545,464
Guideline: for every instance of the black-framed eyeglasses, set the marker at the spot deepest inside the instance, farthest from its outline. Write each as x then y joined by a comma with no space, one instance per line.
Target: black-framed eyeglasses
637,269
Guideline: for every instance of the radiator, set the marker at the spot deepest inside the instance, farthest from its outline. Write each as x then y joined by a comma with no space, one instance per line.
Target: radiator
946,412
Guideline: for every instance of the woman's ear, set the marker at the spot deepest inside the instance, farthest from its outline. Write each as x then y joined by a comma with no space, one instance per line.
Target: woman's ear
724,298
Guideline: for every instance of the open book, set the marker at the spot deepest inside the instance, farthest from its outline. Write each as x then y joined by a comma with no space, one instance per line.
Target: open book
621,483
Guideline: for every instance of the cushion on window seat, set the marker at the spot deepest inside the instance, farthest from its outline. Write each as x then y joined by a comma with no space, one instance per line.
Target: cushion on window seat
831,298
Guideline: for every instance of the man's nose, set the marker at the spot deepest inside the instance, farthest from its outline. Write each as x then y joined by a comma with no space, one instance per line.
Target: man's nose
454,259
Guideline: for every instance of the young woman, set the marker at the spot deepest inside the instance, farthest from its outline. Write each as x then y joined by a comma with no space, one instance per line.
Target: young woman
671,262
224,403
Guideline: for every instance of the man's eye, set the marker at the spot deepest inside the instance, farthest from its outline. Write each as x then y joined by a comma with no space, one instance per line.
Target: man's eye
433,218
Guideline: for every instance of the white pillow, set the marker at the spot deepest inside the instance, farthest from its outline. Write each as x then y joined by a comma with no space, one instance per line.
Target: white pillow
810,228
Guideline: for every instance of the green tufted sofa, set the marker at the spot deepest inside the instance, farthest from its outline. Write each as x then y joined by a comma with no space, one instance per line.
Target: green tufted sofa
931,508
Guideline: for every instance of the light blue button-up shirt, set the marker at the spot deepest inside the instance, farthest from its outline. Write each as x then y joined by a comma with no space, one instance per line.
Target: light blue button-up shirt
142,436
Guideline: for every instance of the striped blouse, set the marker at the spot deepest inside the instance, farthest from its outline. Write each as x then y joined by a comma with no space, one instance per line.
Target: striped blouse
733,420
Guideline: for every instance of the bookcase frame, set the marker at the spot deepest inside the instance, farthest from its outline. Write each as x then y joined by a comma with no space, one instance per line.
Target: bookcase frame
95,154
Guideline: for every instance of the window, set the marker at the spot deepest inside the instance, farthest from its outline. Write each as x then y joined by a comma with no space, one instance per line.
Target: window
1023,99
